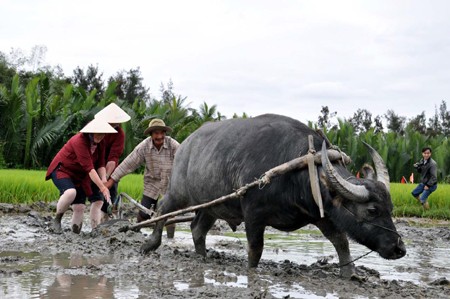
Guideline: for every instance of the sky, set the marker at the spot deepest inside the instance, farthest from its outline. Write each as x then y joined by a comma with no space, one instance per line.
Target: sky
285,57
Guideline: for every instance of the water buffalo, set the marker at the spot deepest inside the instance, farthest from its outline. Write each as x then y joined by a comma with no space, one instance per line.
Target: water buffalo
222,156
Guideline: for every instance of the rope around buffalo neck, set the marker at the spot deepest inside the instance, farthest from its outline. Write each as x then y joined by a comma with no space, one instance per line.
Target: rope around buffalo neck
354,260
371,223
374,224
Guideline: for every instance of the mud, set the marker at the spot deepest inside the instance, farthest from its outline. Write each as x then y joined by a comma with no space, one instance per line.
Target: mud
106,263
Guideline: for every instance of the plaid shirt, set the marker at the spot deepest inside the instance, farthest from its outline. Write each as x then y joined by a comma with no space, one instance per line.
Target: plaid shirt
158,165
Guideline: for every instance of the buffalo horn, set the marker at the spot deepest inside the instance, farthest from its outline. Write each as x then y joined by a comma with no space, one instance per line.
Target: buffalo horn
380,167
342,186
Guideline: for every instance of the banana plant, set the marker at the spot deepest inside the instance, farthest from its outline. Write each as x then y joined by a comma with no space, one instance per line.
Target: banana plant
32,109
11,121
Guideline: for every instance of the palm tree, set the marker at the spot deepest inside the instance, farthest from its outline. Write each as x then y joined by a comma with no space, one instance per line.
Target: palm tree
12,112
207,113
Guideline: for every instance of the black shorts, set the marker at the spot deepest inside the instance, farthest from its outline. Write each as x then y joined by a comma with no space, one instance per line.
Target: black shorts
147,202
67,183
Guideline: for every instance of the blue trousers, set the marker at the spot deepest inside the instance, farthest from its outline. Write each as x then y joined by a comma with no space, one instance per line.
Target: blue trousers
420,190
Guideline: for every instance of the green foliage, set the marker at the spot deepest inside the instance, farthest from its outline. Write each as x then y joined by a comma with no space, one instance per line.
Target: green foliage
398,151
12,101
40,113
2,160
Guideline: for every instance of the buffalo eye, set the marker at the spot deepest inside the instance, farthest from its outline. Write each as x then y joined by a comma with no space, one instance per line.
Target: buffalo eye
373,211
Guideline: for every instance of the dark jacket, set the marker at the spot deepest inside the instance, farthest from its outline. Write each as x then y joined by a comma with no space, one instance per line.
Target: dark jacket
428,171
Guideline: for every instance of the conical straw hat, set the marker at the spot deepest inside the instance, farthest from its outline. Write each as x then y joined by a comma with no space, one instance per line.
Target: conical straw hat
98,125
113,114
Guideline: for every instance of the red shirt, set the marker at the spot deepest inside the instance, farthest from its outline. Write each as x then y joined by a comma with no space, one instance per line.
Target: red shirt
114,144
75,161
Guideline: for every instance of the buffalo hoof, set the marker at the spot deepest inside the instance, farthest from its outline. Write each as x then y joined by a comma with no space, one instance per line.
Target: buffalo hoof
348,271
358,278
151,245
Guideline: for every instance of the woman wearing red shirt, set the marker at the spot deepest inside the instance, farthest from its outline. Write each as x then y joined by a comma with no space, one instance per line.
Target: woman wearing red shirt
72,170
114,146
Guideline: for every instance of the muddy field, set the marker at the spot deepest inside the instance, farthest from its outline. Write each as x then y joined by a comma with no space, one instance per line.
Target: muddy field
106,263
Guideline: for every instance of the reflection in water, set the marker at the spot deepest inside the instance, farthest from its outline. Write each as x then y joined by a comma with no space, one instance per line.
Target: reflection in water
78,286
59,276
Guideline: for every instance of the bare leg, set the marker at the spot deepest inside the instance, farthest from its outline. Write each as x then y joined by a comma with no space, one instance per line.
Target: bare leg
77,217
62,206
96,213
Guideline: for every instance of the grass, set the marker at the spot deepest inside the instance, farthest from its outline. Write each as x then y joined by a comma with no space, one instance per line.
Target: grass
405,205
28,186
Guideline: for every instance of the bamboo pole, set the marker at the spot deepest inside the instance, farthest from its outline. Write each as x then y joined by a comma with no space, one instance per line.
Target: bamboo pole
138,205
297,163
174,220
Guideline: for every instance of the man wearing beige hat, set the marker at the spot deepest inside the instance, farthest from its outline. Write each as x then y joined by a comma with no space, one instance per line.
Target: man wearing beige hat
72,170
114,145
157,153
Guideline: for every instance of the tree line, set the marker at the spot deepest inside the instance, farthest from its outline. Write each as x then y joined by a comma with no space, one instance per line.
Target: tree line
41,108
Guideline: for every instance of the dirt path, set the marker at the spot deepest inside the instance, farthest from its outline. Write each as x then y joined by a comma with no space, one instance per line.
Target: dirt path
108,264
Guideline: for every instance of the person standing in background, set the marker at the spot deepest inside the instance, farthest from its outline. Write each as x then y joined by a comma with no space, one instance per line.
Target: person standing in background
427,167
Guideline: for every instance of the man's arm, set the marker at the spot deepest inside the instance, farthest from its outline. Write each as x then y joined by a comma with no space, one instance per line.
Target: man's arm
135,159
433,175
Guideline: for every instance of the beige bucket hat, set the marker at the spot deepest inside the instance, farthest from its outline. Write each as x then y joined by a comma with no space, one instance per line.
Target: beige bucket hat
113,114
98,125
157,124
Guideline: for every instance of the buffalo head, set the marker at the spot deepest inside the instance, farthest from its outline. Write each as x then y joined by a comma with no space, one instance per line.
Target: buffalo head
362,207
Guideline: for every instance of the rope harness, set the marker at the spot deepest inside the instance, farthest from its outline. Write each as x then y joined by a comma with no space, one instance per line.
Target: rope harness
371,223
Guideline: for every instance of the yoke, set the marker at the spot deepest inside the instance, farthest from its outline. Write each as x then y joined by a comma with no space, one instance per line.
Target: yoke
310,160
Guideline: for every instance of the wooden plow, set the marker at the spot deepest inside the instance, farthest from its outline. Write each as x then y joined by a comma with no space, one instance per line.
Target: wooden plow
310,160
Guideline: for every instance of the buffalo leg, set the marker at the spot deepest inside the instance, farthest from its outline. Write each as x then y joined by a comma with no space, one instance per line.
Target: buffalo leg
200,226
340,243
154,241
255,238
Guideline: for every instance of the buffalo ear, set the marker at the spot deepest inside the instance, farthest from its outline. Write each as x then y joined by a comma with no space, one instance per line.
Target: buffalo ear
368,172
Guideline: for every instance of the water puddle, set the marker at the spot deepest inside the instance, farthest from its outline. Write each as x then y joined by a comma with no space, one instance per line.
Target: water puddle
242,281
420,265
62,275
